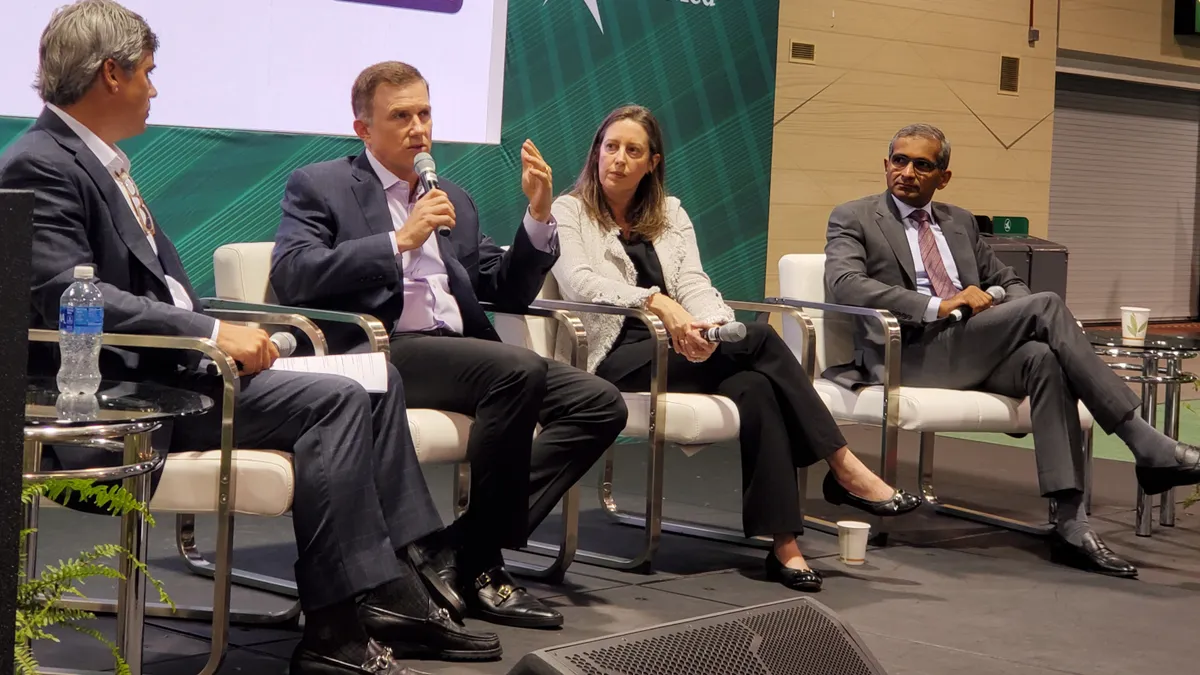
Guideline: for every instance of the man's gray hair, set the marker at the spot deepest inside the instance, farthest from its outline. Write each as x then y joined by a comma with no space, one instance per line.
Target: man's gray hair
79,39
927,131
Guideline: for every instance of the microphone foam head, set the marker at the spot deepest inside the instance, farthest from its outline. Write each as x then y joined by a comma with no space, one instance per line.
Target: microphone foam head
423,163
734,331
285,343
998,293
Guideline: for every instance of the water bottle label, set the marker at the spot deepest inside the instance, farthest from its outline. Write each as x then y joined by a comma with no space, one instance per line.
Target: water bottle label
81,320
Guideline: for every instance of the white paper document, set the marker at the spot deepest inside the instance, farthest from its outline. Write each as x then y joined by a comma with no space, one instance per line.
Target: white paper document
369,370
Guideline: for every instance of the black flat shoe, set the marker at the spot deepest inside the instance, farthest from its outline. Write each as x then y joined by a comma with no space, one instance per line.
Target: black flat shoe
306,661
900,503
437,636
498,599
808,580
1092,556
1156,480
440,576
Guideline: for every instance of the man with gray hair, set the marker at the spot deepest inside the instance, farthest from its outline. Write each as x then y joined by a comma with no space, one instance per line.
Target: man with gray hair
360,498
926,263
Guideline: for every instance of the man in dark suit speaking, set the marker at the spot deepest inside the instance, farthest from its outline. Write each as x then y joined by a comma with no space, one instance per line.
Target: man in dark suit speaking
923,261
358,235
360,497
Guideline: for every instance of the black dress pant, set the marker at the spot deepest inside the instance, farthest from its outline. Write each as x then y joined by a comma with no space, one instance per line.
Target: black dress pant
516,479
784,423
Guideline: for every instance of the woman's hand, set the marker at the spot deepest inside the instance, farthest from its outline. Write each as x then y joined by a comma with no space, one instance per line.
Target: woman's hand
682,326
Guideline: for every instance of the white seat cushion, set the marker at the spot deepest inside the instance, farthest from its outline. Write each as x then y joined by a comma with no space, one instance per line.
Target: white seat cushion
935,410
692,419
262,479
439,437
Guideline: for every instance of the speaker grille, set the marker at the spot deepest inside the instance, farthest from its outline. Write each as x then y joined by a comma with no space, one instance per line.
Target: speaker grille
1010,74
803,52
794,637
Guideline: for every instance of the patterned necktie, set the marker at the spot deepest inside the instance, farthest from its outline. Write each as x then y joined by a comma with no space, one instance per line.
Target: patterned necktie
140,210
931,257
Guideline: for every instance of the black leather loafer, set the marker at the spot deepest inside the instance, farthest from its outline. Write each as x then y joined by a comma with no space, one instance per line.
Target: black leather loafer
900,503
439,573
436,636
379,661
808,581
1092,556
1156,480
498,599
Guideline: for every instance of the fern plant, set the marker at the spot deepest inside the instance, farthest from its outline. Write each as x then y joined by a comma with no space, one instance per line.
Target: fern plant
38,600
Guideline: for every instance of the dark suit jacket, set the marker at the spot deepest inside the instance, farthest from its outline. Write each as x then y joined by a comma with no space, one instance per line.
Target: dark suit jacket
868,263
332,251
81,217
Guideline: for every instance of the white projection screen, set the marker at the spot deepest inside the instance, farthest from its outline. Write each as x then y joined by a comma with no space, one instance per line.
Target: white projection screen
287,65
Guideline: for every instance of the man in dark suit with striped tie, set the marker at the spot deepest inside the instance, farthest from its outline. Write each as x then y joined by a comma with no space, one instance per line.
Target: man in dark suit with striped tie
925,262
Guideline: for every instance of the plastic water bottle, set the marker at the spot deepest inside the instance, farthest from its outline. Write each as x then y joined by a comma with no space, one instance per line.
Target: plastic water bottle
80,322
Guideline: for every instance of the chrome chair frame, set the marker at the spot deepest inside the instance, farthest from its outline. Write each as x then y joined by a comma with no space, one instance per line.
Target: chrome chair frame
563,553
652,520
890,434
219,614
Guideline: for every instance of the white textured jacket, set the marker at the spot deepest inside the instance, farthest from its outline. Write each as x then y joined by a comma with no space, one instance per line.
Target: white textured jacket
593,267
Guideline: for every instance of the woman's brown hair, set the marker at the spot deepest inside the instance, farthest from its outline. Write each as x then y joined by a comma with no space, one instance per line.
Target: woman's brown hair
647,212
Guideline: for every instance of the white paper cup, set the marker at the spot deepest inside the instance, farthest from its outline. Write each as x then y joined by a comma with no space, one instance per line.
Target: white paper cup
1134,322
852,541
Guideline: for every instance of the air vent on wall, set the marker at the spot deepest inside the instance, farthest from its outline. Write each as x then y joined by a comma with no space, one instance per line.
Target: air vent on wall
803,52
1010,74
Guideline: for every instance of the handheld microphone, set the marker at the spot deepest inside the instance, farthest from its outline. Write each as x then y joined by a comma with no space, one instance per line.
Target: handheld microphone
285,344
734,331
963,313
427,175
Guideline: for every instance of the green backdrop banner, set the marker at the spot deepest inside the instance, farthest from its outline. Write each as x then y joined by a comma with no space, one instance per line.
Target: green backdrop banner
706,68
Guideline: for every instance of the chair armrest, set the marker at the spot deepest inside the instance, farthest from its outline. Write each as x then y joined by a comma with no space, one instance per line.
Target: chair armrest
809,360
224,363
891,326
570,322
306,326
652,322
377,334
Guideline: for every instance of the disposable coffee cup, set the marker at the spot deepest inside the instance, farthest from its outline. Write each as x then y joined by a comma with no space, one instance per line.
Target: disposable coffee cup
1134,322
852,541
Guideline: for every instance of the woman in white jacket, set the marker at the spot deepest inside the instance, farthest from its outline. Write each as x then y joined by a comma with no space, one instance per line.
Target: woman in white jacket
625,242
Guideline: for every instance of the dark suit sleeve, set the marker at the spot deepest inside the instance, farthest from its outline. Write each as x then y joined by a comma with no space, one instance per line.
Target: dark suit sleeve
848,280
511,279
308,268
60,243
992,272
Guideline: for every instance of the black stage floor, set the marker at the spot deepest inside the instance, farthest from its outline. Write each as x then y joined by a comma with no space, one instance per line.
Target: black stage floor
945,597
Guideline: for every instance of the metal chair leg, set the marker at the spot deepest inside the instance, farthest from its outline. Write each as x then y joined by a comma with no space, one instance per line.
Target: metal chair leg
564,552
925,468
185,529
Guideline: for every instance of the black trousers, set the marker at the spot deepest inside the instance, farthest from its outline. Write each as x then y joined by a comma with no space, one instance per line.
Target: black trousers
784,423
516,479
359,492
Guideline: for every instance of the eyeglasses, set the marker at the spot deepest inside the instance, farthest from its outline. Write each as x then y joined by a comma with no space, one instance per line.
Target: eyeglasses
921,165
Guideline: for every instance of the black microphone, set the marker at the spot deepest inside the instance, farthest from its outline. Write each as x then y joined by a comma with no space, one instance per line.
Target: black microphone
734,331
427,176
963,313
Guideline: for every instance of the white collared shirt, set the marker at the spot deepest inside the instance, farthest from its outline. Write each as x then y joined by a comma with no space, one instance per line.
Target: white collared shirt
914,245
116,161
428,302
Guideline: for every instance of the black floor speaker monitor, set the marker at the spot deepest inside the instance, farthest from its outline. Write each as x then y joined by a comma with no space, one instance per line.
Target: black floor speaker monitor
791,637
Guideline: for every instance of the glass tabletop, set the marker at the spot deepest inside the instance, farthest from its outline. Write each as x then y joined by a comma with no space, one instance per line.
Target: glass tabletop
1111,337
114,402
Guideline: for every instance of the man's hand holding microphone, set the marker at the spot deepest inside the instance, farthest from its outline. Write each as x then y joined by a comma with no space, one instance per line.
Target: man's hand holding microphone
970,301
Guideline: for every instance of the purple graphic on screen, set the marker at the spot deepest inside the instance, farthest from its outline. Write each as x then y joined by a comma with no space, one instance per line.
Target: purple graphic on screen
445,6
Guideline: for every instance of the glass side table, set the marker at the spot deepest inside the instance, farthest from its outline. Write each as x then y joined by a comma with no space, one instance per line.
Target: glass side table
119,418
1159,362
